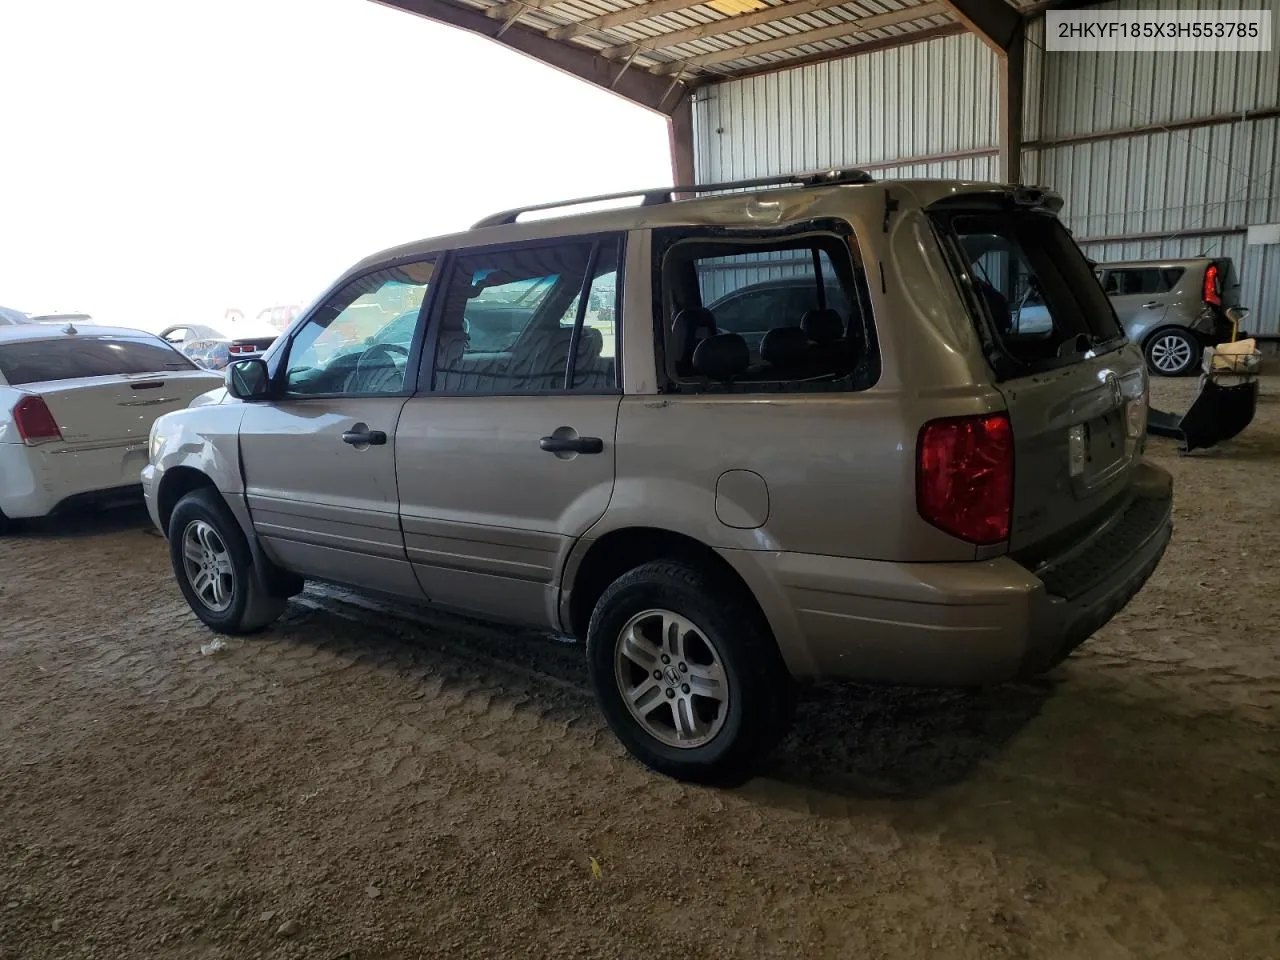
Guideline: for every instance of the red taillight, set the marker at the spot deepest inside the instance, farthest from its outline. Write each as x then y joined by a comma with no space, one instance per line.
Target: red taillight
238,348
964,476
1212,286
34,421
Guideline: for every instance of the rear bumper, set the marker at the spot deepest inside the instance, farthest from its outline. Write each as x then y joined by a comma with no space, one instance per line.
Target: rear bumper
957,623
38,481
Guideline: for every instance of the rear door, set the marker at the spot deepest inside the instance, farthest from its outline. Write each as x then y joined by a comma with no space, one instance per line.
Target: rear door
1140,297
1076,392
506,454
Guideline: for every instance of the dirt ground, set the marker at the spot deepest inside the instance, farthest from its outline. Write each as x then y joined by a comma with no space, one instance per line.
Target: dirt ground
368,782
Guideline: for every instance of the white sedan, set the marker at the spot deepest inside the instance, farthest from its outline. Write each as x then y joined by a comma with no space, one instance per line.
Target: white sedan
76,407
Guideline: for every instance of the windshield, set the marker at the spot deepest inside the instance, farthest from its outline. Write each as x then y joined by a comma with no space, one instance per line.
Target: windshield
71,358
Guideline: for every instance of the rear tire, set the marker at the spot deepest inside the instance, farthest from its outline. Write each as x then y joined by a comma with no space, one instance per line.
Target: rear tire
1172,352
687,674
214,566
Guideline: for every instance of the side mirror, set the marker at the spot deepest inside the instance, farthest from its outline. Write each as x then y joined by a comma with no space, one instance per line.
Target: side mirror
249,379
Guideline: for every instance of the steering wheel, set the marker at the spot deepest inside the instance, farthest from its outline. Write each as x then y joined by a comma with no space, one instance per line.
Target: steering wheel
385,351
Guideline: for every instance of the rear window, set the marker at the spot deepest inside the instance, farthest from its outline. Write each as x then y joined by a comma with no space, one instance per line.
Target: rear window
1034,293
70,358
1146,280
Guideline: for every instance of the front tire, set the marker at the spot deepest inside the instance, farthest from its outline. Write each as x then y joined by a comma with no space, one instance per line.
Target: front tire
687,675
214,566
1173,352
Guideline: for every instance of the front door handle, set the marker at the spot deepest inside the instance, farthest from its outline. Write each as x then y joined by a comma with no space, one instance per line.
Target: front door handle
364,438
572,444
1152,304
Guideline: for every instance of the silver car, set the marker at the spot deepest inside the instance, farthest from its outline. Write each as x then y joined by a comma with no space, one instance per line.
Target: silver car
1172,308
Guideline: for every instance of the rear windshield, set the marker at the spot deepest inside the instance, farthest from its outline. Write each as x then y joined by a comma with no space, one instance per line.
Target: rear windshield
70,358
1038,303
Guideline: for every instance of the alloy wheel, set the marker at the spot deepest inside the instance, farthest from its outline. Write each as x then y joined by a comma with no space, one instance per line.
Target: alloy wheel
672,679
208,565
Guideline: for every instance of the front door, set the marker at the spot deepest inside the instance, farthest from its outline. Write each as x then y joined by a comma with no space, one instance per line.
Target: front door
506,453
319,461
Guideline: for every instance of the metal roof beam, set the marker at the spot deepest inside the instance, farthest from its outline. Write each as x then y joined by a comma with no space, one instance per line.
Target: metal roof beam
995,21
1003,29
638,86
796,8
641,11
790,42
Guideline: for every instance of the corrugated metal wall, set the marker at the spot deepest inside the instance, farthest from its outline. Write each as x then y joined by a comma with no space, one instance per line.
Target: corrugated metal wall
929,100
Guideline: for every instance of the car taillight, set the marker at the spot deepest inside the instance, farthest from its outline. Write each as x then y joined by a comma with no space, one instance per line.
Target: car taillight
964,476
1212,285
34,421
240,348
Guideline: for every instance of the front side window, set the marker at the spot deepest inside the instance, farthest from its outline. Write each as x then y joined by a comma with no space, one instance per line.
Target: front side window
513,318
359,341
762,311
73,357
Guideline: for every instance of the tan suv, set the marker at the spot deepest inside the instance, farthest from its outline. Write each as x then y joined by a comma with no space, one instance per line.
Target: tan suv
583,429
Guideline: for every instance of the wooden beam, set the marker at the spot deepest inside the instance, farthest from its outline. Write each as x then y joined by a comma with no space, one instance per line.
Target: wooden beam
504,11
681,126
790,42
1012,81
795,8
638,86
641,11
995,21
1002,28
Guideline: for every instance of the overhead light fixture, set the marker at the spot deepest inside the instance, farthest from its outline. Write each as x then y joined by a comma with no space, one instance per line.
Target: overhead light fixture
731,8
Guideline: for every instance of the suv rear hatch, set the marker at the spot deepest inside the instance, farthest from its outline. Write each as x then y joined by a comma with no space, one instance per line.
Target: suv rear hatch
1075,389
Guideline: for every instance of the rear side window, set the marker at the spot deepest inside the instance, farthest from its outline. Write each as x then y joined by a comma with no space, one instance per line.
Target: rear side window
764,311
1035,296
1146,280
70,358
532,318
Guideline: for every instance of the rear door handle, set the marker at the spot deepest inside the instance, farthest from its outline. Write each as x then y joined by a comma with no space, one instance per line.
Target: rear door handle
372,438
1152,303
572,444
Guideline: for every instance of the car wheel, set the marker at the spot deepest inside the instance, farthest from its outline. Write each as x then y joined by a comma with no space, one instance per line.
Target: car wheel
214,566
1172,352
687,675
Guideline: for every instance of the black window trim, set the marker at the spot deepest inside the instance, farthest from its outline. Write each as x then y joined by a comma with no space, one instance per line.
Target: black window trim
426,371
279,369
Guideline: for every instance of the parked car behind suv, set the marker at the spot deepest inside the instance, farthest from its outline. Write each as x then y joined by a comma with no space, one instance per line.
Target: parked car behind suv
75,410
881,481
1172,308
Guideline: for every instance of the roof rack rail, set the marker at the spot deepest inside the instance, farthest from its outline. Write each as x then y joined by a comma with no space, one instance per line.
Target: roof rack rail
660,195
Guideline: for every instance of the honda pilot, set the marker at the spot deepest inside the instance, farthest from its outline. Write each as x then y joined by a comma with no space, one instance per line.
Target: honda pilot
882,478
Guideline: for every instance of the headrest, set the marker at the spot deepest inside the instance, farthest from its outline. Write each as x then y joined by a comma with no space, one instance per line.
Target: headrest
721,357
695,319
784,346
822,326
590,343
